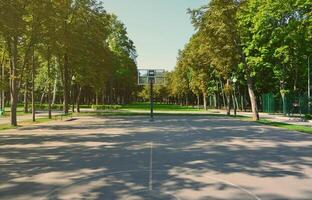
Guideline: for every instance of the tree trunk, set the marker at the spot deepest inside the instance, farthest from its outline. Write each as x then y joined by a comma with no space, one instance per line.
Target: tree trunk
228,108
295,77
103,96
26,97
223,95
205,100
242,102
13,82
66,85
250,85
198,102
187,101
54,89
286,110
228,97
42,98
78,100
33,87
236,101
2,81
253,99
73,98
96,98
49,87
234,104
245,100
215,101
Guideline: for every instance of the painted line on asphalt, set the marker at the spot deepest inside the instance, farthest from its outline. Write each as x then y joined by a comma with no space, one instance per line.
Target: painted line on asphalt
222,180
53,194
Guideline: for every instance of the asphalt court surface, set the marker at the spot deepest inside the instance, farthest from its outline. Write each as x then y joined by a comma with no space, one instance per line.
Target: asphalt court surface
174,157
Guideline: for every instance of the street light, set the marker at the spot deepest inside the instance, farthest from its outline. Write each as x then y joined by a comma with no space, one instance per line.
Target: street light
234,80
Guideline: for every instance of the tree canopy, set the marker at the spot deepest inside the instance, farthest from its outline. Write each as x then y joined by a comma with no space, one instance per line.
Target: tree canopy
240,47
73,49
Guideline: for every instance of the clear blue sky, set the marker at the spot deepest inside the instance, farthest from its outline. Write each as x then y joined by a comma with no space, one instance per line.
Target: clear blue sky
159,28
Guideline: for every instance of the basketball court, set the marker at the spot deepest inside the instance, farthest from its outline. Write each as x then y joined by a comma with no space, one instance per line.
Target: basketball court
174,157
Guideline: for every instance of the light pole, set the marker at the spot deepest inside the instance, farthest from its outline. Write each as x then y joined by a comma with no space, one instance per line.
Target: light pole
234,80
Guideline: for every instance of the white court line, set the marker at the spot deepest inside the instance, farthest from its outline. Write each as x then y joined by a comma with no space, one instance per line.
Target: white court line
151,169
237,186
52,194
222,180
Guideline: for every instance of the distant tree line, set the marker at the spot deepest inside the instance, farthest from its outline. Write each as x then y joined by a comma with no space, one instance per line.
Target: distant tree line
242,49
63,51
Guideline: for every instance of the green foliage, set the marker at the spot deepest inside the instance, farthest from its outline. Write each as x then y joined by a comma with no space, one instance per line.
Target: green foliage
106,107
158,106
264,43
46,106
307,117
69,47
275,39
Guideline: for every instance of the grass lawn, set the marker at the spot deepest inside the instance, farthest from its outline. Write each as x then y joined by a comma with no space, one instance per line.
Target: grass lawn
291,127
136,109
157,106
124,113
30,122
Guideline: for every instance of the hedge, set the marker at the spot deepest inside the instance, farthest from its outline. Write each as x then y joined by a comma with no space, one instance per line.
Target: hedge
106,107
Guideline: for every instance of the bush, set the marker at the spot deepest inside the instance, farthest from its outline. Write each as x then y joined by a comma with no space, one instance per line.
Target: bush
307,117
46,106
85,106
106,107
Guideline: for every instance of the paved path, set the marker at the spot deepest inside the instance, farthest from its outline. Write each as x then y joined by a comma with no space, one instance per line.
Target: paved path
175,157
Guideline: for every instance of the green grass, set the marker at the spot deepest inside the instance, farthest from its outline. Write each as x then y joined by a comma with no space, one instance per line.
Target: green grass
291,127
18,113
147,114
4,127
40,120
136,109
157,106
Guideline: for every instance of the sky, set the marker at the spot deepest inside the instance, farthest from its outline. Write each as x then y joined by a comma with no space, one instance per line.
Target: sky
158,28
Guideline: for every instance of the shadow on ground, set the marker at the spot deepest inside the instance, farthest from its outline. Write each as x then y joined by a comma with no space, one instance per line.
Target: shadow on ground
109,158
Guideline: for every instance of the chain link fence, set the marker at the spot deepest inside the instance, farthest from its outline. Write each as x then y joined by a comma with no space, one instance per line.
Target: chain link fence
288,105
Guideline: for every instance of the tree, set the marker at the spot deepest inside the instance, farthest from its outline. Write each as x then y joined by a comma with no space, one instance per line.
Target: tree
274,37
69,42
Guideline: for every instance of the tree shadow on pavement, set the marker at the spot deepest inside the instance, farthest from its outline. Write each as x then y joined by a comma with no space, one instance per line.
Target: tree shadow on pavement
109,158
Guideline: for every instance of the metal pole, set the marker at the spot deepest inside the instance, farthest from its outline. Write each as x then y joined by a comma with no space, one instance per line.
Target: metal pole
152,100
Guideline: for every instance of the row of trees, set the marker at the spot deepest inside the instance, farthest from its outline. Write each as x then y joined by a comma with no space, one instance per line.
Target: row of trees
244,47
69,51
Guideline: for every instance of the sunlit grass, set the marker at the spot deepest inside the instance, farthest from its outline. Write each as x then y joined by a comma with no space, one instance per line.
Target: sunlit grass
38,121
137,108
291,127
158,106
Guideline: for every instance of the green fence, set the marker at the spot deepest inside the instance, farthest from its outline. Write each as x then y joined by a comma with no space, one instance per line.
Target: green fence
268,103
289,105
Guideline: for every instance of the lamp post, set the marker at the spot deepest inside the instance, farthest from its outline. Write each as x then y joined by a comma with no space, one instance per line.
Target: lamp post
234,80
